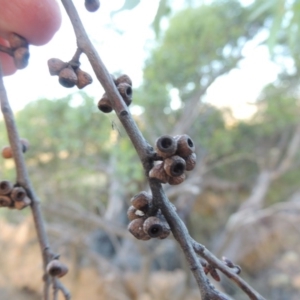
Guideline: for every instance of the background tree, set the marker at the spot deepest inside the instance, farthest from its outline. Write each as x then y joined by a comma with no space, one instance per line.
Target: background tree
247,170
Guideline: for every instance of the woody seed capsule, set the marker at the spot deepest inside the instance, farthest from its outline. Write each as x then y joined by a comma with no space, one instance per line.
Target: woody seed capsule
166,146
125,91
84,78
176,180
123,79
185,145
156,227
190,162
21,57
18,193
5,187
174,165
22,204
67,77
158,172
135,227
141,201
56,268
5,201
104,104
17,41
55,65
131,213
92,5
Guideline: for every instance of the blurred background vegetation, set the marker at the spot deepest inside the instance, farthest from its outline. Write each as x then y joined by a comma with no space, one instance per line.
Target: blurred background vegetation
241,201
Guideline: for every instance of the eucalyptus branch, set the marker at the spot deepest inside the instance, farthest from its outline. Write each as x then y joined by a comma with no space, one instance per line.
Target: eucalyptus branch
58,286
217,264
144,150
146,155
76,55
24,181
182,236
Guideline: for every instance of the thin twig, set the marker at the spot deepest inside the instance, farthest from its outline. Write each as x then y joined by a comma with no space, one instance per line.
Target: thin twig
23,178
76,57
144,150
58,286
24,181
55,289
146,155
182,236
83,42
218,264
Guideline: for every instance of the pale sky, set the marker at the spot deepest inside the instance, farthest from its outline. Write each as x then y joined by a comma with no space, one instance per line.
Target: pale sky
126,53
118,52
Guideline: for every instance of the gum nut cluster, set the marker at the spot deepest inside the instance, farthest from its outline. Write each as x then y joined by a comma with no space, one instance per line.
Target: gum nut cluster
69,74
8,153
145,227
124,86
20,52
13,196
177,156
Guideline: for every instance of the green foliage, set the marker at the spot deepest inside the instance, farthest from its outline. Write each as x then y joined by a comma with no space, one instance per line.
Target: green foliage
71,148
164,9
199,43
128,4
283,22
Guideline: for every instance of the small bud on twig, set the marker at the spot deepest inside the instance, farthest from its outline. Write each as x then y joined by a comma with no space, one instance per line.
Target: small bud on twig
135,227
7,152
56,268
166,146
209,269
228,262
5,187
214,274
174,165
231,265
25,144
